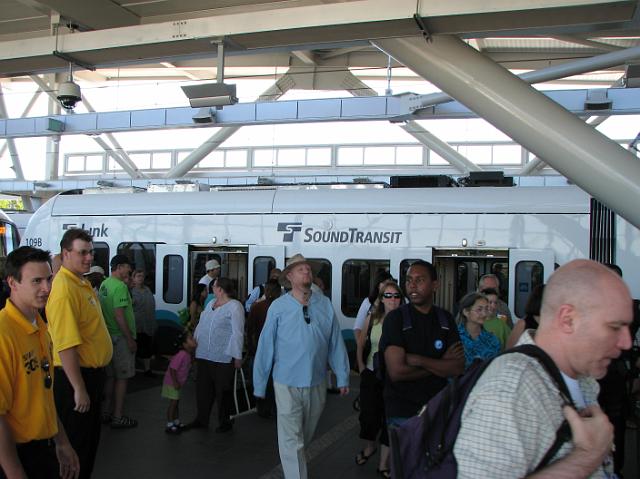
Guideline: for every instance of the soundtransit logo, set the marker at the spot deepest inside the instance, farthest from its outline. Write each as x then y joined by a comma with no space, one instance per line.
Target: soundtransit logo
350,235
289,229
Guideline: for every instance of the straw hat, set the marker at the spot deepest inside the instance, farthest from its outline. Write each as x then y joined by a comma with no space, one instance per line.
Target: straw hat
295,260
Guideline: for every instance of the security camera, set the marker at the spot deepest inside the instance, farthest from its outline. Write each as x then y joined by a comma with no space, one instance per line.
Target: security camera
69,94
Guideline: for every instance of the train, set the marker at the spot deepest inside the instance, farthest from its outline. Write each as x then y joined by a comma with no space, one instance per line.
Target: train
9,235
350,232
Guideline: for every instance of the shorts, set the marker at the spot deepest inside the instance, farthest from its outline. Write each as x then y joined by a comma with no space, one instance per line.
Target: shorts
123,363
170,392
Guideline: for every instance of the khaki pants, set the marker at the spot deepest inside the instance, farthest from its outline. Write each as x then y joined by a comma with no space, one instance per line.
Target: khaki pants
299,410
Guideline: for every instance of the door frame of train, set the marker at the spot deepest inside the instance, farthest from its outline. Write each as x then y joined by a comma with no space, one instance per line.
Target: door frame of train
162,250
543,256
398,255
255,251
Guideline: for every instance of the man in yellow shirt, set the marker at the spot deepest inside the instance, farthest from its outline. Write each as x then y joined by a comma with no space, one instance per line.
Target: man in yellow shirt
82,347
33,443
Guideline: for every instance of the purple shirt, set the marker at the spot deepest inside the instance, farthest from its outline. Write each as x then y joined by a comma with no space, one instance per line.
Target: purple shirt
181,362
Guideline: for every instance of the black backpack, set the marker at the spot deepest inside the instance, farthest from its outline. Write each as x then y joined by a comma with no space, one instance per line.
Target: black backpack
422,448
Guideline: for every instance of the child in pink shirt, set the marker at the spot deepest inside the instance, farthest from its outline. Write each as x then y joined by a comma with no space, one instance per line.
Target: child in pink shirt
175,377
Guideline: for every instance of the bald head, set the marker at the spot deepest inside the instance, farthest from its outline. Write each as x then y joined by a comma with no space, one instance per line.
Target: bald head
584,284
585,317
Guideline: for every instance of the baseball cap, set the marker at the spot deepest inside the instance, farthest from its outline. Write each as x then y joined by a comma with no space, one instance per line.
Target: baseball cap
95,269
212,264
119,259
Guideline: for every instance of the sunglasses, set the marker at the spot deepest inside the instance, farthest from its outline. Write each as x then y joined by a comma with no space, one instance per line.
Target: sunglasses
392,295
44,364
305,313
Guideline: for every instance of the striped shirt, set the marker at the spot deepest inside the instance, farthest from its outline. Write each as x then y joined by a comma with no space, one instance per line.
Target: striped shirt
511,417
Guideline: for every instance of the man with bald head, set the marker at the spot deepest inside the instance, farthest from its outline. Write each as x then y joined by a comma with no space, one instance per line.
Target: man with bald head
511,417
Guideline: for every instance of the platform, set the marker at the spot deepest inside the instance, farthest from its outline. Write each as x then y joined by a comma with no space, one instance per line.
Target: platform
249,451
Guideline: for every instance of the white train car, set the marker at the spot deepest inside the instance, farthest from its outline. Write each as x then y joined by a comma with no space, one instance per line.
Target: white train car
351,233
9,235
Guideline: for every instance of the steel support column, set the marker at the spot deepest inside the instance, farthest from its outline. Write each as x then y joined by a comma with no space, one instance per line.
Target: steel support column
124,161
13,153
446,151
595,163
223,134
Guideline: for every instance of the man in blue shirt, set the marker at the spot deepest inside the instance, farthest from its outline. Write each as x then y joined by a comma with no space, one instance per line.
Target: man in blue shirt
300,337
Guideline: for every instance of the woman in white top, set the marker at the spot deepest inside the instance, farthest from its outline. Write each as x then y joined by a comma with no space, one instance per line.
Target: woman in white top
372,418
220,337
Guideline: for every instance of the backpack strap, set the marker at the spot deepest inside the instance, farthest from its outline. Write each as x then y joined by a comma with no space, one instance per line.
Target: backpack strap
563,434
407,324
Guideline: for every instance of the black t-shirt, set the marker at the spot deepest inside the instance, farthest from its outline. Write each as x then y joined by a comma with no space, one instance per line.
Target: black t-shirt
427,338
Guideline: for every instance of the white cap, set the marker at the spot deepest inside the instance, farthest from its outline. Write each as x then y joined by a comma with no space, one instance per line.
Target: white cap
212,264
95,269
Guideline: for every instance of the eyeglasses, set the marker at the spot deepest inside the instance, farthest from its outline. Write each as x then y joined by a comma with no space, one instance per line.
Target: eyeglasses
84,252
44,364
392,295
305,313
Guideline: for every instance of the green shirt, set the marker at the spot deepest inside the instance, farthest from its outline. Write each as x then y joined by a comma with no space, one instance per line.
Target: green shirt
115,294
498,328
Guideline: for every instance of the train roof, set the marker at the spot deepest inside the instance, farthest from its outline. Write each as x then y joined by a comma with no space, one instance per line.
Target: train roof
565,199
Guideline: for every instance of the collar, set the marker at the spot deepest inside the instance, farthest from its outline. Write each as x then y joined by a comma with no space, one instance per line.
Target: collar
72,276
21,320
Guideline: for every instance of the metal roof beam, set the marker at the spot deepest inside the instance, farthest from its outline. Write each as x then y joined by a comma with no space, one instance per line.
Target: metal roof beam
390,108
305,27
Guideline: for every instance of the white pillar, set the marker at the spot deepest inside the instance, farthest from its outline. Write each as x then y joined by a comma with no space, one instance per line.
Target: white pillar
592,161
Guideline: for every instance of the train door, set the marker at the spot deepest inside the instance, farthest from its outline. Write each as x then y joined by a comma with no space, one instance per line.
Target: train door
232,260
171,287
402,258
262,259
460,269
527,269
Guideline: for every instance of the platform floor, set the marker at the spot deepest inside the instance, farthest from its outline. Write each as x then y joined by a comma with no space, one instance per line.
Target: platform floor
249,451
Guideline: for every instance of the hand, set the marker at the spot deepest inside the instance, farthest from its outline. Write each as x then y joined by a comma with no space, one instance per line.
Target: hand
133,346
591,431
68,460
344,391
455,351
237,363
81,398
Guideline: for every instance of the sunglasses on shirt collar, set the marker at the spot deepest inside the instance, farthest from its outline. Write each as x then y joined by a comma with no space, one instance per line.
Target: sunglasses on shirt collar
305,313
45,366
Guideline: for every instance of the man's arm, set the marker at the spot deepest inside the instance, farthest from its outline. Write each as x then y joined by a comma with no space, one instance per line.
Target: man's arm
592,435
8,455
122,324
71,366
409,367
67,457
338,358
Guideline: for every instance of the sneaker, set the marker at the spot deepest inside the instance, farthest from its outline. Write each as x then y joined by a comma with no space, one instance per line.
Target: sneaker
173,429
123,422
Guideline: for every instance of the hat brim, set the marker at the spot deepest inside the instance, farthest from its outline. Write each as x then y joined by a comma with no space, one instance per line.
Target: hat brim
282,279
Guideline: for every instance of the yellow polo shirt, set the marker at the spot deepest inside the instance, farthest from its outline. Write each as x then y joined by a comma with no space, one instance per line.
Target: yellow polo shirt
24,400
75,320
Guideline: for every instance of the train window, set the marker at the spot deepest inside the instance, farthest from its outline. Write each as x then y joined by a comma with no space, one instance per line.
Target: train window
143,256
529,274
172,279
322,274
358,276
101,256
262,266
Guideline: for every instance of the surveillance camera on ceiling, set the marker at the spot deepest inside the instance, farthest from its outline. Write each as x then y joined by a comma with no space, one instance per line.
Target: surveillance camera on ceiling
69,95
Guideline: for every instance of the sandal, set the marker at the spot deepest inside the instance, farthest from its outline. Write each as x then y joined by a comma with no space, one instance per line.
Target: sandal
123,422
362,458
384,473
